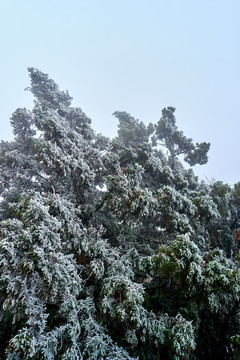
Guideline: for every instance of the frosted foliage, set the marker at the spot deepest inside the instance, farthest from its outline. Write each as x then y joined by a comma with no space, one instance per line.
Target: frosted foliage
206,207
212,274
175,201
109,248
37,273
182,334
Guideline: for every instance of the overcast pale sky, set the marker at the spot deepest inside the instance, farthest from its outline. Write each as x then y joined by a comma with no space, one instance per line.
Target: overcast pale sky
135,56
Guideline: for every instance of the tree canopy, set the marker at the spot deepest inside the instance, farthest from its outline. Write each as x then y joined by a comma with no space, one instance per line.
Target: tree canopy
109,248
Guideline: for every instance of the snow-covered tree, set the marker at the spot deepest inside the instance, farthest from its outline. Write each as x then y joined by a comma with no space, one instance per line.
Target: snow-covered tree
177,143
109,248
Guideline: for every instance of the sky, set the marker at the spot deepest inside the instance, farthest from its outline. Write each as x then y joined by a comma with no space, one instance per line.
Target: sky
135,56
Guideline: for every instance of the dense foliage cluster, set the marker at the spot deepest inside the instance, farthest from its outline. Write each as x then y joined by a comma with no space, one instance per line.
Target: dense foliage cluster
109,248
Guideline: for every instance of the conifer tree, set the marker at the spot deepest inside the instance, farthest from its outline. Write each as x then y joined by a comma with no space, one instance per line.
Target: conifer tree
109,248
177,143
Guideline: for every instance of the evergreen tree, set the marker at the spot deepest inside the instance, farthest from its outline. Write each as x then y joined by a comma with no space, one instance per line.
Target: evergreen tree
110,249
176,143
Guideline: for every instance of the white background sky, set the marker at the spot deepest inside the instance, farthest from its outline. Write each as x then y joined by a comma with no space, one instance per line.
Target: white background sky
135,56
